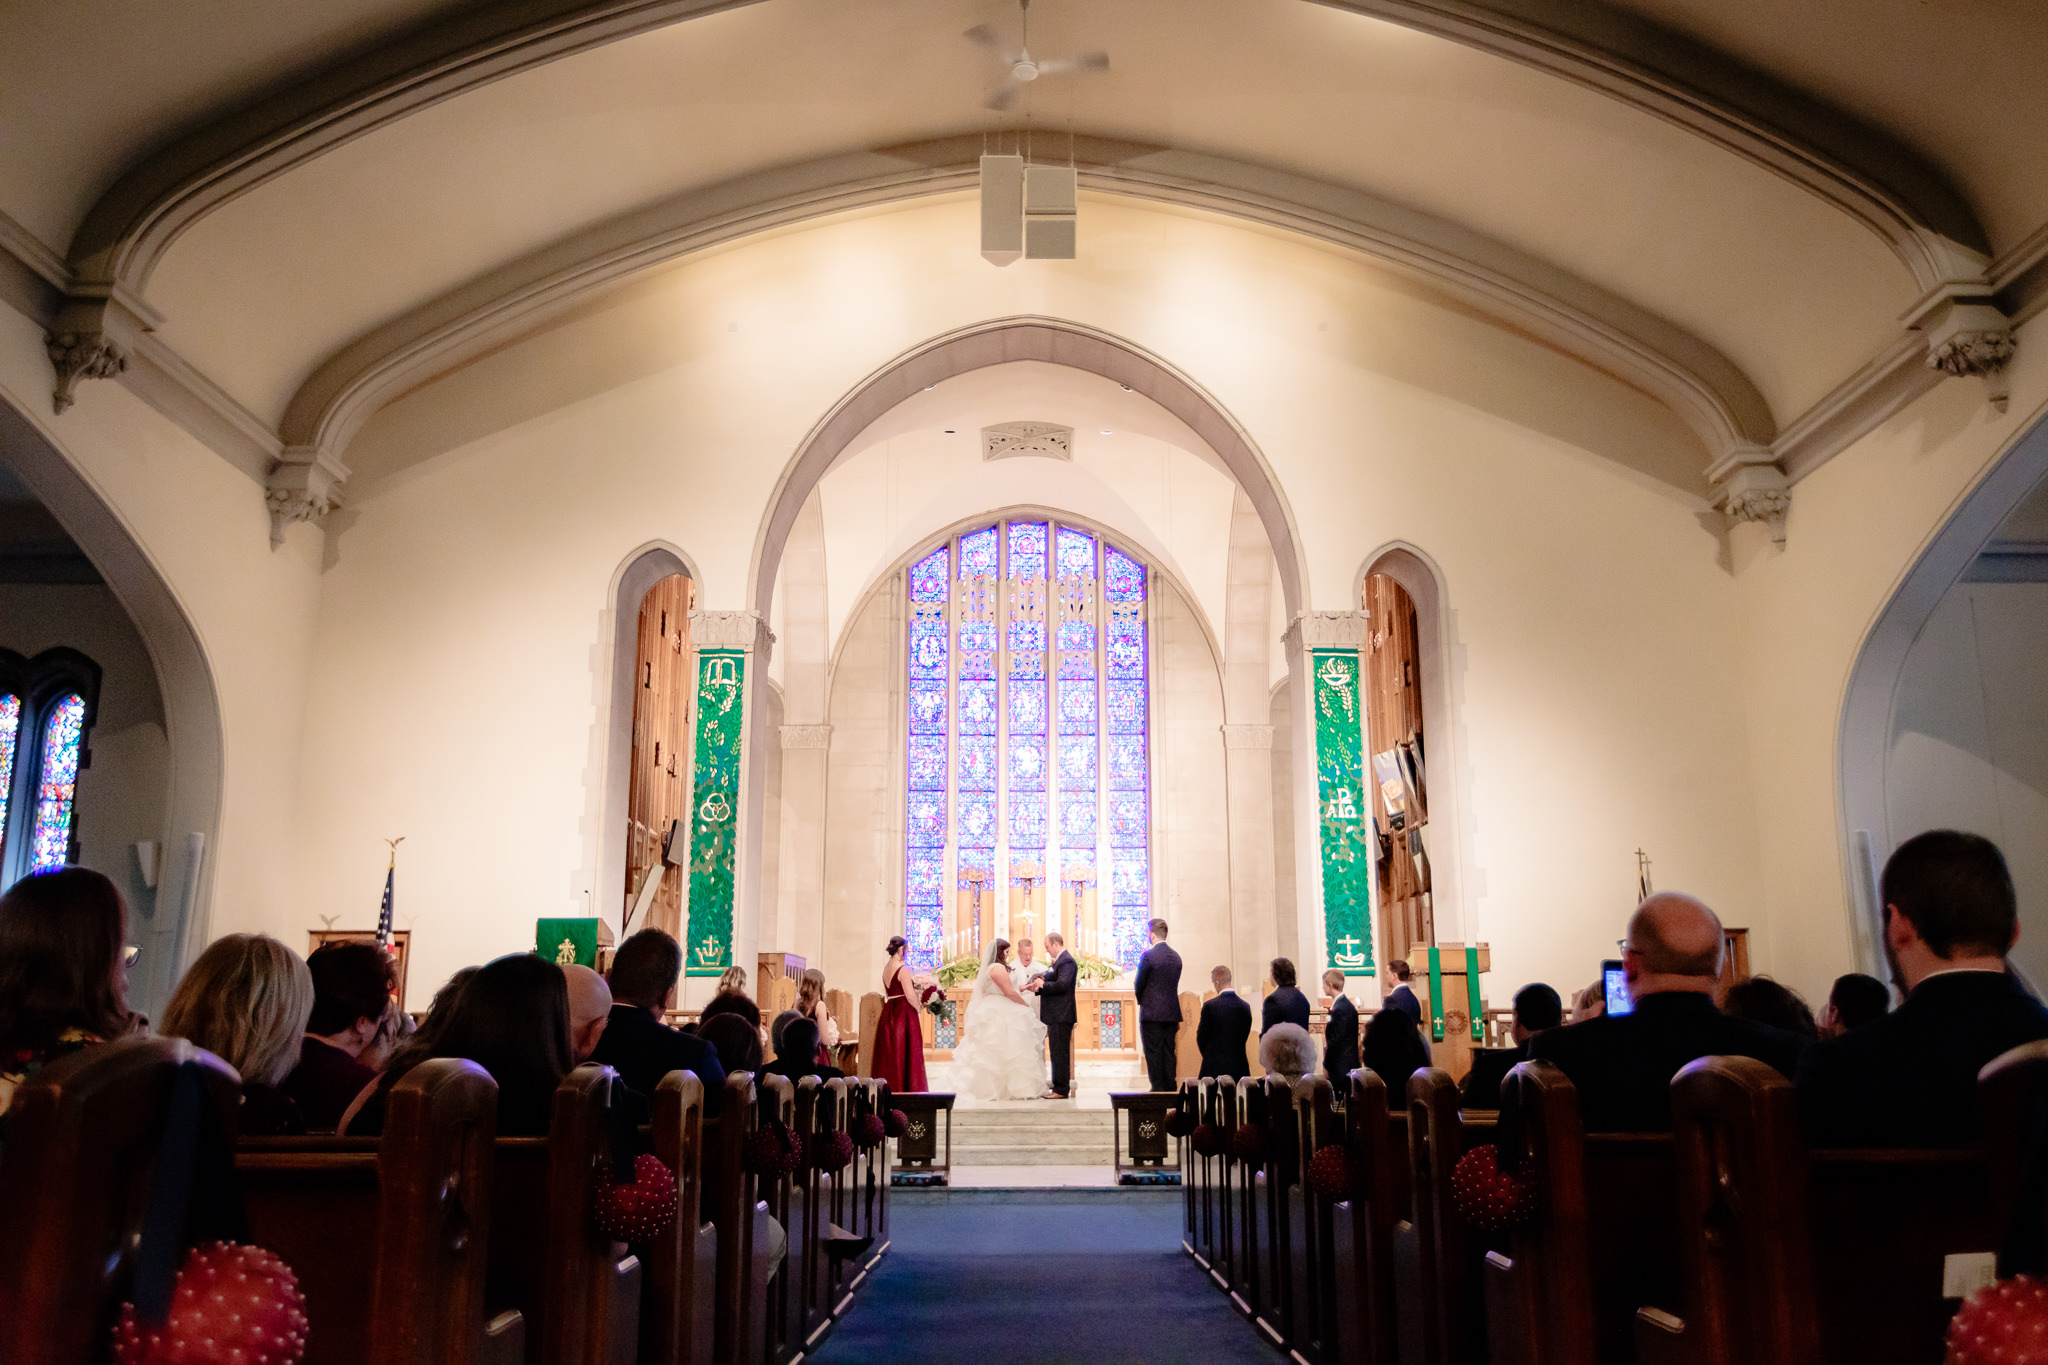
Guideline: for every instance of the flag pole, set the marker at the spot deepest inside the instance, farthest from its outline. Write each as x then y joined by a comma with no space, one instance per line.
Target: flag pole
390,887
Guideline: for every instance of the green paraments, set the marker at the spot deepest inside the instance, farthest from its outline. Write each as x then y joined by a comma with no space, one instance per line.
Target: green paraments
566,941
714,814
1347,842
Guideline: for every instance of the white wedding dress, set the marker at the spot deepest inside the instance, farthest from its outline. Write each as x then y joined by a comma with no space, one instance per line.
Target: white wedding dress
999,1055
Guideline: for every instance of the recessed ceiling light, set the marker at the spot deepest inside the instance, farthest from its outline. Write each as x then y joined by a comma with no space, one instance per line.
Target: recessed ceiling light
1107,432
949,431
929,387
1125,387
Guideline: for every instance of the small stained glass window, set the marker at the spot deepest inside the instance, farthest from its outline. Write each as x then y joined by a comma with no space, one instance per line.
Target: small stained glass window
10,732
57,784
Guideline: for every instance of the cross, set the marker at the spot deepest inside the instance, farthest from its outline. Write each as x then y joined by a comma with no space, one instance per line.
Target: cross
1349,943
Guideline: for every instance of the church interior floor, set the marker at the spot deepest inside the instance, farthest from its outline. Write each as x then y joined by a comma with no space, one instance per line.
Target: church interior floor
1027,1278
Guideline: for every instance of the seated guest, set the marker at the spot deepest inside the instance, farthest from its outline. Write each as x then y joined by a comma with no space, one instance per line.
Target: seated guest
1766,1002
810,1003
796,1058
1402,997
731,1000
1287,1050
1622,1065
1225,1026
1910,1078
777,1027
1537,1007
63,972
1340,1034
511,1019
1856,1000
1393,1050
737,1042
590,1009
246,1000
1285,1005
352,1006
636,1043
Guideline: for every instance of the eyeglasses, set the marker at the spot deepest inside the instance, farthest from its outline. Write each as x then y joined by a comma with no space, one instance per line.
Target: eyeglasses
1623,944
129,954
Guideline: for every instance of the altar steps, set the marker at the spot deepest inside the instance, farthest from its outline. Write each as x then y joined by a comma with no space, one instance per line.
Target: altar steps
1043,1133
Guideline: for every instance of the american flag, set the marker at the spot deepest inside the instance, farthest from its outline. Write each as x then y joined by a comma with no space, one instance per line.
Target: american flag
384,913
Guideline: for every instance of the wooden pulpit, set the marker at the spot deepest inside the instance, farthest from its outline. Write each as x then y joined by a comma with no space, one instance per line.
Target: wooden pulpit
1447,981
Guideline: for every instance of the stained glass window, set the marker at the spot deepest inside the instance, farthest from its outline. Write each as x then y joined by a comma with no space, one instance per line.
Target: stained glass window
10,730
57,784
1028,671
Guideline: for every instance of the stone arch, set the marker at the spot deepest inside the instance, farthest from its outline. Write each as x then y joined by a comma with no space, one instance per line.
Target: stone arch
1864,740
1423,581
182,917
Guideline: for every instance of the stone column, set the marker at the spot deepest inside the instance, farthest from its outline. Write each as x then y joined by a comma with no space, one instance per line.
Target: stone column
746,634
806,752
796,923
1248,794
1312,631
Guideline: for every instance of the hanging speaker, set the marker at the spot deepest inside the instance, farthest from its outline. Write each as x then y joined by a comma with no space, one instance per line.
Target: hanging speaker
1002,209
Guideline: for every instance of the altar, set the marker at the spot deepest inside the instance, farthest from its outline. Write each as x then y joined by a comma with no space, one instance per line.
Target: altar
1106,1028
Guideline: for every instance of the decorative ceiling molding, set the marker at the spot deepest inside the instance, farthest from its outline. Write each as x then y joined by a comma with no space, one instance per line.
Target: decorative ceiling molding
1048,440
1706,389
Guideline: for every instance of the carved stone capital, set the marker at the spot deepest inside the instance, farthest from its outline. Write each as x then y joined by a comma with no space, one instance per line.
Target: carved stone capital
1970,336
92,336
806,736
1046,439
1247,736
79,356
1329,630
730,630
304,485
1757,492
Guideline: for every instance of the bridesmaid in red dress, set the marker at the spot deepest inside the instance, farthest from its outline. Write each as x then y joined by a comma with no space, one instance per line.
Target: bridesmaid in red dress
899,1035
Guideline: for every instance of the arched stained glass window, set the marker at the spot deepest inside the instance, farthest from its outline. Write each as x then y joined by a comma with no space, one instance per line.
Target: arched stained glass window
1028,670
10,734
57,783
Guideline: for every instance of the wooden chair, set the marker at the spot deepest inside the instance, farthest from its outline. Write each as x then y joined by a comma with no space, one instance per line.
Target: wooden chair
1362,1232
579,1291
81,1146
682,1264
1436,1263
401,1223
1603,1243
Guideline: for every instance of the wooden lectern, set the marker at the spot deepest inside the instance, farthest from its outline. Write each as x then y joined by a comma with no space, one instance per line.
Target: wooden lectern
1453,1010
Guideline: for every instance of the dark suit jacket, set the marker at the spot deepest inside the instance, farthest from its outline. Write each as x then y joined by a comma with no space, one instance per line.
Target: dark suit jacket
1490,1065
1285,1005
642,1050
1056,991
1910,1078
1340,1044
1158,986
1225,1026
1402,998
1623,1064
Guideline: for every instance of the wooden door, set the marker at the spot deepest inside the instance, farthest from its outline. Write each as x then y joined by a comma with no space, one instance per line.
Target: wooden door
1393,718
660,771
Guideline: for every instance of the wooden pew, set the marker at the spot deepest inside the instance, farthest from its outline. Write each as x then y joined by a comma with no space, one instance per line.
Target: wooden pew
777,1247
81,1142
579,1290
1279,1197
1603,1243
861,1201
1828,1255
1248,1288
1362,1233
682,1264
401,1223
1318,1123
1436,1261
1189,1102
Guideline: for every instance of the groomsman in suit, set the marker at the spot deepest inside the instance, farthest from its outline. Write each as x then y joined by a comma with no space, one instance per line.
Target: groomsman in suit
1340,1034
1055,992
1158,989
1285,1005
1225,1025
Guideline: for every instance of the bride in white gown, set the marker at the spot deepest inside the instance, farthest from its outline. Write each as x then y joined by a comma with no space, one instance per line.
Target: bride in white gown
999,1056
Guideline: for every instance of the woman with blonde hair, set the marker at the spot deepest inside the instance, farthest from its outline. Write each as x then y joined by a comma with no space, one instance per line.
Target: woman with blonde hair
247,1000
810,1003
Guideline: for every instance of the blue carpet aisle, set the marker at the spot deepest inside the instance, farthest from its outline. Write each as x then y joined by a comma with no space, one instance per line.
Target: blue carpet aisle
1038,1277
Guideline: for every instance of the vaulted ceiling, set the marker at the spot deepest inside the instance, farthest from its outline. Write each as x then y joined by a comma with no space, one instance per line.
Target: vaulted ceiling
282,216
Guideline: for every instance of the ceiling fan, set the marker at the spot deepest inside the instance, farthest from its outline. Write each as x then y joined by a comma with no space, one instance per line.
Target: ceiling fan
1025,68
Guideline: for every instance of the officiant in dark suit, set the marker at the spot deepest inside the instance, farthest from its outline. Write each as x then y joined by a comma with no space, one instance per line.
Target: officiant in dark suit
1158,991
1056,1011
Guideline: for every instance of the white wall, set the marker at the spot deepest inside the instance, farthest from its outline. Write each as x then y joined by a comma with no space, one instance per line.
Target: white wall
1969,745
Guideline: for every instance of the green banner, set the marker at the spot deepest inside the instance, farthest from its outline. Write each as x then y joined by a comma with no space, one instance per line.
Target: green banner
566,941
714,810
1347,843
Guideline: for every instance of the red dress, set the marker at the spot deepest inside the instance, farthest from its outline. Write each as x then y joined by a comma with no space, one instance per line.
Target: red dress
899,1042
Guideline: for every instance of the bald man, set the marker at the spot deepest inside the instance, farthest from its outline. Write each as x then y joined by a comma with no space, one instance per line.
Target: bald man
1622,1065
590,1008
